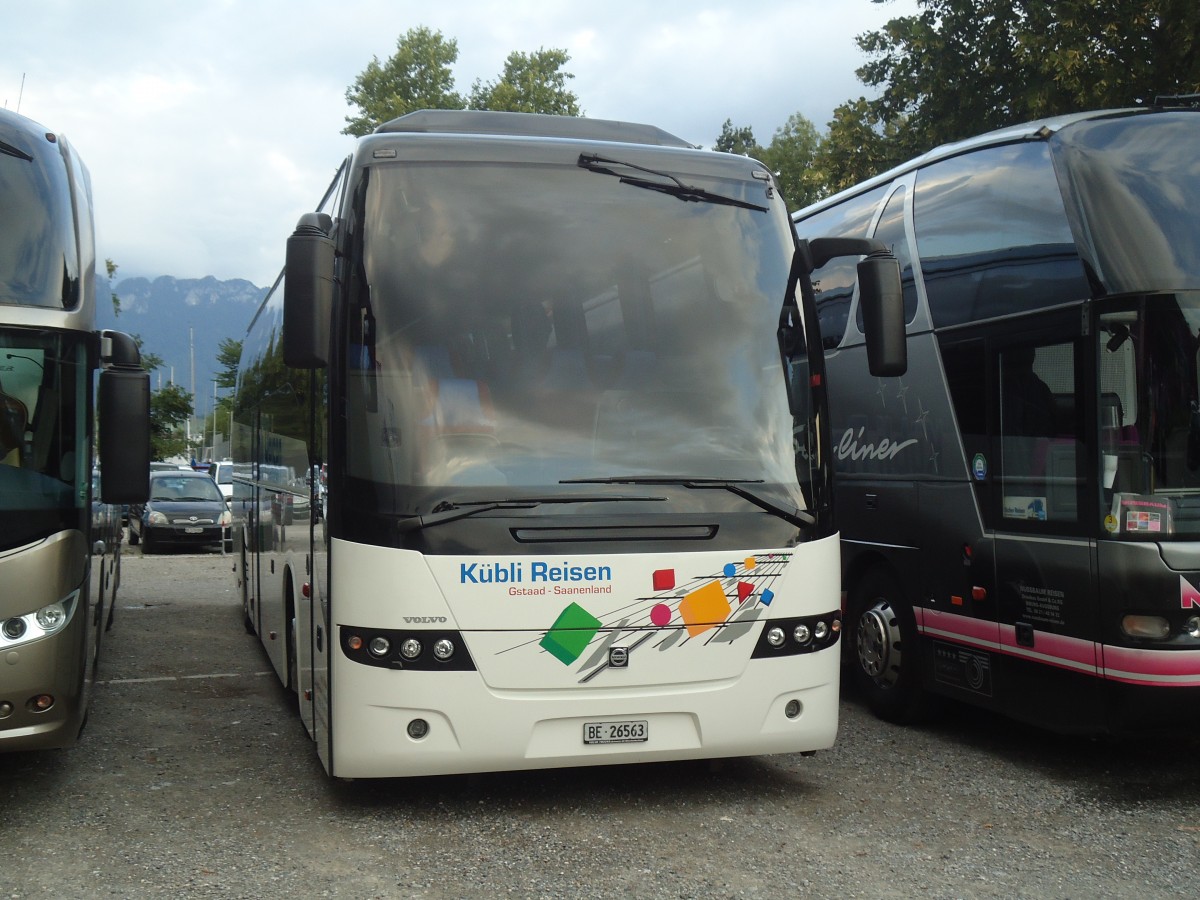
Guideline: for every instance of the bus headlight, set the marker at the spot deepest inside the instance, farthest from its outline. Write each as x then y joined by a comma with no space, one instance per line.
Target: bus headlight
50,619
1154,628
443,648
14,628
1192,627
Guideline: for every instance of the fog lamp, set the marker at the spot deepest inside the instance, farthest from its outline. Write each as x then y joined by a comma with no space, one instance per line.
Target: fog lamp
40,703
1155,628
417,729
6,709
51,617
14,628
792,709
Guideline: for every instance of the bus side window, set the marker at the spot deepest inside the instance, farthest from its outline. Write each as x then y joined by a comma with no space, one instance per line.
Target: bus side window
891,231
993,236
833,284
1039,465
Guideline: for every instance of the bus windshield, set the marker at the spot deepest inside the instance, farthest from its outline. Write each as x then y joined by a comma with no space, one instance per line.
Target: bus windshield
1135,184
1150,417
521,325
44,433
38,261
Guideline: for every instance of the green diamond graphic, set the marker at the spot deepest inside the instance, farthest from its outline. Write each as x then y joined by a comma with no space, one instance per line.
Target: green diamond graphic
570,634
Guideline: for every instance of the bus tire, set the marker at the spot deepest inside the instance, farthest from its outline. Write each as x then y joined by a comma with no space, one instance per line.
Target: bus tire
883,635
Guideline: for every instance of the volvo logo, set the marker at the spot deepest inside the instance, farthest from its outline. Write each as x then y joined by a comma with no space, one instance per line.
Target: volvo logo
618,657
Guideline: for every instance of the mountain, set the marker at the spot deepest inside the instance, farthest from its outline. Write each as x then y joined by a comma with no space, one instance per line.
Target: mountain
181,319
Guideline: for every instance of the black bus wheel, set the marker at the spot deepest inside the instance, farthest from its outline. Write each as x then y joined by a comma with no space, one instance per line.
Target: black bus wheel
883,641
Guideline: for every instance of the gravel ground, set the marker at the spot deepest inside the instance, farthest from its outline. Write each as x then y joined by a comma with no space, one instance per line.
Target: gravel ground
193,778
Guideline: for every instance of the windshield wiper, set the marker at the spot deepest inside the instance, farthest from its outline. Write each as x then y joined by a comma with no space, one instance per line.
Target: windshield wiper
797,517
10,150
593,162
450,512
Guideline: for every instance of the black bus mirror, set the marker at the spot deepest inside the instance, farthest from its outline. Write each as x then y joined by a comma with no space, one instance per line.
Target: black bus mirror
882,301
123,407
308,293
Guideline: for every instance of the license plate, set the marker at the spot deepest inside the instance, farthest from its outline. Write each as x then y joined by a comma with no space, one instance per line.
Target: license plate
629,731
194,529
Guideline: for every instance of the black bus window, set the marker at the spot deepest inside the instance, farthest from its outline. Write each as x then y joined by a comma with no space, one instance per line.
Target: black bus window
1039,445
993,236
833,284
891,231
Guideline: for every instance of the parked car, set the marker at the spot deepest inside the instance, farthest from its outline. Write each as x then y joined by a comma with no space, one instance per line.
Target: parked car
185,508
222,474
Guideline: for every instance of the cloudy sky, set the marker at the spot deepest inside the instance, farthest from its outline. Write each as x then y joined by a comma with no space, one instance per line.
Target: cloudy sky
210,125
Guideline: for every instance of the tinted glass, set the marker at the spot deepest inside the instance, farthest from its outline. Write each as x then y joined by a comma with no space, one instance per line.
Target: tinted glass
892,232
39,265
1136,183
993,235
44,431
523,324
833,284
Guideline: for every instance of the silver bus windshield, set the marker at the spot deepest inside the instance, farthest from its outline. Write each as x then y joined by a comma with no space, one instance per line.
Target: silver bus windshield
38,260
521,325
44,433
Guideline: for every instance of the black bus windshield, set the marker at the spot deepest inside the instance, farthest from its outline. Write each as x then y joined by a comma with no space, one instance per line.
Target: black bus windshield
1134,185
523,325
1150,417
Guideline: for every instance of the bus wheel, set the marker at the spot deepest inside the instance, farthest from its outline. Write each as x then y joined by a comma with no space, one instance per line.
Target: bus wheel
885,659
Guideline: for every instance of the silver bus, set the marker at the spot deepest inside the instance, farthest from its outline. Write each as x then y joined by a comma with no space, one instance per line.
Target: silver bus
59,557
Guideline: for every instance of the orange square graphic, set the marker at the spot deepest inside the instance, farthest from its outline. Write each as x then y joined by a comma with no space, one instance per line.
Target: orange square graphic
704,608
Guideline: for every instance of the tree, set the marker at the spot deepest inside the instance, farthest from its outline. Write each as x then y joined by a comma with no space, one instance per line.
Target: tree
961,67
854,149
531,83
170,407
111,268
229,356
150,361
790,156
417,77
739,140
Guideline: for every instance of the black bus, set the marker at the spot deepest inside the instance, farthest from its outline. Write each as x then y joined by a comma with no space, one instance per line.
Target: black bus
1020,512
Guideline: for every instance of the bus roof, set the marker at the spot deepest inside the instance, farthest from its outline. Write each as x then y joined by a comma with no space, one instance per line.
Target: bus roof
474,121
1039,129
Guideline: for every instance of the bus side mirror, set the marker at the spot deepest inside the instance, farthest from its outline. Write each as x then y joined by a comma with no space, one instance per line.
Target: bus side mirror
123,407
308,293
882,301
